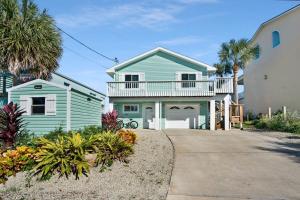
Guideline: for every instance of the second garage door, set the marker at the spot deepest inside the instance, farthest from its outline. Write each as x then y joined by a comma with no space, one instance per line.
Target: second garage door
182,116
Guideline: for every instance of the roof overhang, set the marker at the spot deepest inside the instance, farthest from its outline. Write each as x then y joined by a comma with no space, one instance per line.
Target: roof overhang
112,70
36,81
273,19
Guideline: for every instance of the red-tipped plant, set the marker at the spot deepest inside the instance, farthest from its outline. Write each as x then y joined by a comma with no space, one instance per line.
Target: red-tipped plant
11,124
110,121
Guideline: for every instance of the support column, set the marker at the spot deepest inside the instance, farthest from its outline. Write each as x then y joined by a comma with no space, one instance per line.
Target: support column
157,115
212,115
226,113
111,106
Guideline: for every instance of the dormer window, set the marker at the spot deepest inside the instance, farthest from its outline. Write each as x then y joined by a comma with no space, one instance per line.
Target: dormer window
275,38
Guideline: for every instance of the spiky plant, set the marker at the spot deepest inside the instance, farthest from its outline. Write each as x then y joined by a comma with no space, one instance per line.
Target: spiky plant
29,39
236,54
11,124
110,121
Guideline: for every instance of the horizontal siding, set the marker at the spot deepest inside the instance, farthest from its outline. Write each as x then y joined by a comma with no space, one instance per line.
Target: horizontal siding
84,112
162,66
41,124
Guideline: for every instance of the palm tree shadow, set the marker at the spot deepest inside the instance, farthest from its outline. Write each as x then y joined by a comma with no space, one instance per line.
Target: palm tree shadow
289,149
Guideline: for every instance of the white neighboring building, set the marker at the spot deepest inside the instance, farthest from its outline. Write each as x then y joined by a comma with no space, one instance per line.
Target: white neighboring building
273,78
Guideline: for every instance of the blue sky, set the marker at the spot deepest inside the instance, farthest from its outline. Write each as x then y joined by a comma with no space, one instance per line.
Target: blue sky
123,29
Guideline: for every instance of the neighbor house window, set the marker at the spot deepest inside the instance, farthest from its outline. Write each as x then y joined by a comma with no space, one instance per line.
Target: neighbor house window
188,78
257,52
131,108
276,38
38,106
131,78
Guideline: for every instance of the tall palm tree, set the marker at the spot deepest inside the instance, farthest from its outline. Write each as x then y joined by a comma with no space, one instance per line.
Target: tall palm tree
29,39
236,54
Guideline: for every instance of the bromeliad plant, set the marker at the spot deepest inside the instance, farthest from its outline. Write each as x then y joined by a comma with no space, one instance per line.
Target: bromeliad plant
11,124
110,121
64,156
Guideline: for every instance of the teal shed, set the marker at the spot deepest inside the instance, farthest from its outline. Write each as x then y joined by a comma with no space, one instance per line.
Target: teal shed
59,102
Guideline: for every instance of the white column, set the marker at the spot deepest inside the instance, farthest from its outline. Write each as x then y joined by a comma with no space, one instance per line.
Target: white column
226,113
212,115
157,114
111,106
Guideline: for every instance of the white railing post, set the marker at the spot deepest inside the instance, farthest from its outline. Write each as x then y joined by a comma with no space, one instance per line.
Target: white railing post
212,115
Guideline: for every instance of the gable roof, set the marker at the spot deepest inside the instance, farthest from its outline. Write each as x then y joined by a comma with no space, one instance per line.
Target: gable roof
112,70
274,19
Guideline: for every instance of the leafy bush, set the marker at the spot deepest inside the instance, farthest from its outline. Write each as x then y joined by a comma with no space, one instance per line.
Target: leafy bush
64,156
278,123
87,131
55,134
13,161
108,147
127,135
26,138
11,124
110,121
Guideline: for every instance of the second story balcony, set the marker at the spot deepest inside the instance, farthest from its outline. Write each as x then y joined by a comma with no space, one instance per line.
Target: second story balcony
170,88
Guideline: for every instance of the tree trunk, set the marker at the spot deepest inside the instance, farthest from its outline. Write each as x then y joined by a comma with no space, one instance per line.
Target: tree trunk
235,84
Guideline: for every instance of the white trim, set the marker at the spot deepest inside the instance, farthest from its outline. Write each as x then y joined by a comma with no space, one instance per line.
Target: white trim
9,97
273,19
212,115
157,115
69,96
226,112
112,70
130,112
36,81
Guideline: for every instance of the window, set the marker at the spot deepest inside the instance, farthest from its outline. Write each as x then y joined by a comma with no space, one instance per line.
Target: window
131,108
38,106
257,52
275,38
189,107
131,78
188,78
174,108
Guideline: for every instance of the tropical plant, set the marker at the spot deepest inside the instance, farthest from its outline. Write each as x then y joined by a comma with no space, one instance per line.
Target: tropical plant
109,147
87,131
64,156
11,124
110,121
127,135
13,161
29,39
26,138
235,55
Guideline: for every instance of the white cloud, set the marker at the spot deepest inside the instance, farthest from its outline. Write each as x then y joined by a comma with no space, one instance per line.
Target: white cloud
181,41
155,15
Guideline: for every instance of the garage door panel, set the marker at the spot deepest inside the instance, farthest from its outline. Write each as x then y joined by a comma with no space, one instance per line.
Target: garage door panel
179,117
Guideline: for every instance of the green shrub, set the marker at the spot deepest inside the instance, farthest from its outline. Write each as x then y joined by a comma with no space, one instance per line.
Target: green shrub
87,131
278,123
108,147
26,138
55,134
64,156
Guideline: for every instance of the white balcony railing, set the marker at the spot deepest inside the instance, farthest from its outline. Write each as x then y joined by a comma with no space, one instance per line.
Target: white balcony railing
170,88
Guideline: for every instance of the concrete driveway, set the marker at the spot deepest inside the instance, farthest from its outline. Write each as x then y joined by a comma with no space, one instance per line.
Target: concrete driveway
233,165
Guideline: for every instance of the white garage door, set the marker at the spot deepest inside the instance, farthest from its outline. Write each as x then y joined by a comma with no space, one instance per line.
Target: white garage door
182,116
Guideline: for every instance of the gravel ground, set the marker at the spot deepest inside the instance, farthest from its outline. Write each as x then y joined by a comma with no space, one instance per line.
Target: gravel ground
146,176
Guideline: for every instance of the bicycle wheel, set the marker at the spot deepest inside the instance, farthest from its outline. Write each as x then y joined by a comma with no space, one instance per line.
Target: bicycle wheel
133,124
120,124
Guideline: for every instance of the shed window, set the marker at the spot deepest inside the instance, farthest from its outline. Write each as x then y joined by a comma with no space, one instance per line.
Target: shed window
131,78
188,78
131,108
275,38
38,106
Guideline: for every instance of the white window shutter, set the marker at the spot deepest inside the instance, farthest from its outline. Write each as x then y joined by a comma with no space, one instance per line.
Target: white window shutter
50,104
25,104
178,78
142,78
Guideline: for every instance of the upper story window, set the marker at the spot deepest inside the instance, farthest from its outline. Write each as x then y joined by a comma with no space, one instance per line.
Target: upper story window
257,52
38,106
132,78
275,38
188,78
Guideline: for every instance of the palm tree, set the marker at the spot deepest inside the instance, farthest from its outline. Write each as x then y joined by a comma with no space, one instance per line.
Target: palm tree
29,39
236,54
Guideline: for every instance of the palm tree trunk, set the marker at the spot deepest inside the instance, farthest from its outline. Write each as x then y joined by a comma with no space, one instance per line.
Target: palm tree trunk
235,84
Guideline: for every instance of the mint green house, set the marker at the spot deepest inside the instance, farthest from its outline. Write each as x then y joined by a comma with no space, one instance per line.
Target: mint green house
162,89
59,102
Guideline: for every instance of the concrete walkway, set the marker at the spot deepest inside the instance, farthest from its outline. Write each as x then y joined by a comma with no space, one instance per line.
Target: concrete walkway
233,165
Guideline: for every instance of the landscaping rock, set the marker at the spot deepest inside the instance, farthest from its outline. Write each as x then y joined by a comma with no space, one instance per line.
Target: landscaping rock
146,176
